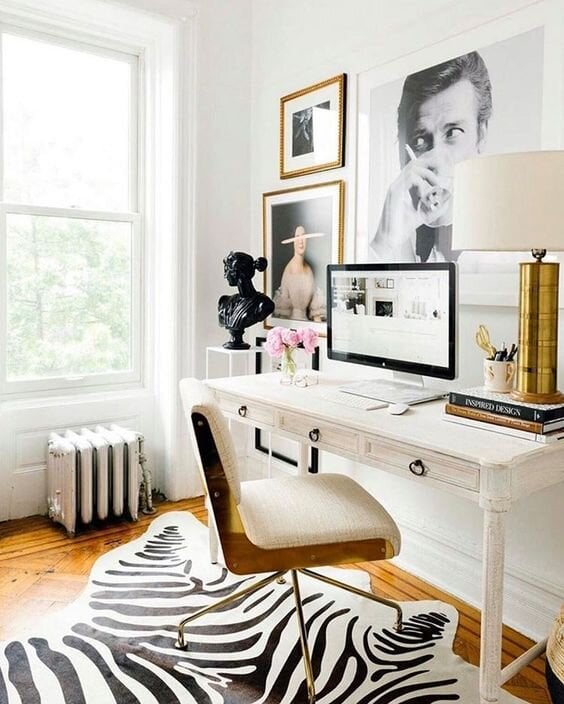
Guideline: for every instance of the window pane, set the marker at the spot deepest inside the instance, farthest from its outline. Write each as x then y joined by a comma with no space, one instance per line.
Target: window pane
66,126
69,297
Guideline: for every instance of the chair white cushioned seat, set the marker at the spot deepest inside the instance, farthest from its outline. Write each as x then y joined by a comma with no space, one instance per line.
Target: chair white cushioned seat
311,510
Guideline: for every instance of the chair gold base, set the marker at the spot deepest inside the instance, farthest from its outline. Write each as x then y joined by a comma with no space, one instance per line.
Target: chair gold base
181,643
358,592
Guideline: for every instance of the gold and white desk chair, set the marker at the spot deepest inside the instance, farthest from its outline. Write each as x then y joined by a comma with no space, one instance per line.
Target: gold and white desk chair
282,525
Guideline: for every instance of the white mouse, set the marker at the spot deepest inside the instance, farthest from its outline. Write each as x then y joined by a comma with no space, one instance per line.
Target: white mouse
396,409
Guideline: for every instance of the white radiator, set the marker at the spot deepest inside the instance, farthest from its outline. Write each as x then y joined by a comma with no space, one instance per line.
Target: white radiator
93,474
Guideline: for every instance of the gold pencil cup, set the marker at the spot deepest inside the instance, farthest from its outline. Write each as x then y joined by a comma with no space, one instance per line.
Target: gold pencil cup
537,360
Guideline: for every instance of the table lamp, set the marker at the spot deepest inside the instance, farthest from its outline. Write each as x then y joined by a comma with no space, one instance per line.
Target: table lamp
515,202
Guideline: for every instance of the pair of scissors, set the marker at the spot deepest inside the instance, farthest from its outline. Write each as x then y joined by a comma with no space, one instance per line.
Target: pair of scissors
483,341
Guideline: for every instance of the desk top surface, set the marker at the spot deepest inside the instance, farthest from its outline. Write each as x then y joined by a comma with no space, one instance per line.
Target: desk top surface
422,425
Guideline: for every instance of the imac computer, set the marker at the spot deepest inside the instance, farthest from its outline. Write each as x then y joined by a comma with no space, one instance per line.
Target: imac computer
400,317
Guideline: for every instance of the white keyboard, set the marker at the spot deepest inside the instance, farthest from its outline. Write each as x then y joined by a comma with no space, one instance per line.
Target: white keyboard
391,392
351,401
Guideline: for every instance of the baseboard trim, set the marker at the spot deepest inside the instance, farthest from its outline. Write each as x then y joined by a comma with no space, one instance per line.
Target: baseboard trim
530,603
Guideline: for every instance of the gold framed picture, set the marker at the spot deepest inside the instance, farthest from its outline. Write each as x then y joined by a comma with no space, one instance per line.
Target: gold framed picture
302,234
312,128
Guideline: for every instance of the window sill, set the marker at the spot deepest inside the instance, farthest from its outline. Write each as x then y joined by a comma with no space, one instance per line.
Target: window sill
77,397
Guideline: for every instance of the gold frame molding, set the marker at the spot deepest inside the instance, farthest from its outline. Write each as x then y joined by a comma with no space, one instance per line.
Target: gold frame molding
285,103
340,234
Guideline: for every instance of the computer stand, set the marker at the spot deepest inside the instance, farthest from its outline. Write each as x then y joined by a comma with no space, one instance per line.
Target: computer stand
410,379
401,388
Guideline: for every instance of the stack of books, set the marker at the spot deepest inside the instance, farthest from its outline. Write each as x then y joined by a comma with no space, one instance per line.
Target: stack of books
480,408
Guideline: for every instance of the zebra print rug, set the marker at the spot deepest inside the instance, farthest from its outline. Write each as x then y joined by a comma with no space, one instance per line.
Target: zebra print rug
115,643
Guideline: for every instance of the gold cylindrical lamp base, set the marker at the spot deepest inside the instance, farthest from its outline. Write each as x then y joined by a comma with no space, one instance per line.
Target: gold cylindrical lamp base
537,360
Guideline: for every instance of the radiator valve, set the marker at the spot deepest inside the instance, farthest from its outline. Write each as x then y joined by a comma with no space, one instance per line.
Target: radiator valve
146,489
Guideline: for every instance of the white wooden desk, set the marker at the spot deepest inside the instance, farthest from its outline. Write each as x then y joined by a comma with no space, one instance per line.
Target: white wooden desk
491,469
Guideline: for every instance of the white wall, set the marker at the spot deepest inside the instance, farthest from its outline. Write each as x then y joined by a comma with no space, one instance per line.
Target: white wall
220,211
296,44
222,206
222,139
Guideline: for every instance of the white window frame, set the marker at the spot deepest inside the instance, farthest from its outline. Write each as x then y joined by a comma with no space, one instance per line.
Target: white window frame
164,33
134,215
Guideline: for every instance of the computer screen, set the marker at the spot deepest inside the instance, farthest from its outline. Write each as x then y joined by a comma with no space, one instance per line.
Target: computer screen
397,316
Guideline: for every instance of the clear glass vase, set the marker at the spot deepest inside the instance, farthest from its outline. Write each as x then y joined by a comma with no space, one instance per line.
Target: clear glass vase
288,366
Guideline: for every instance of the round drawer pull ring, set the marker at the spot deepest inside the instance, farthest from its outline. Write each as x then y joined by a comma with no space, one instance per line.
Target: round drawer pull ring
314,435
417,467
242,411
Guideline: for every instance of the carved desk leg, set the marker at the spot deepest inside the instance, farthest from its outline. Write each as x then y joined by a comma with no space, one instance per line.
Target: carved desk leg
495,501
303,458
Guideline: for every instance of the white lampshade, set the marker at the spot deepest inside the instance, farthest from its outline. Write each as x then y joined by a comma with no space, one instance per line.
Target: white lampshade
509,202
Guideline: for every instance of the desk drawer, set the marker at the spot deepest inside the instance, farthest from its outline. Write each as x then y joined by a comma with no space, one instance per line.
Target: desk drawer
327,435
245,410
436,466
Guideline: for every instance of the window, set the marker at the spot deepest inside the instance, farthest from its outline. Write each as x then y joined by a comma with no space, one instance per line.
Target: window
69,214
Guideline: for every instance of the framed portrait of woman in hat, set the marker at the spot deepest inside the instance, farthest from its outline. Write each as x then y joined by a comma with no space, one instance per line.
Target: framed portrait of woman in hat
302,234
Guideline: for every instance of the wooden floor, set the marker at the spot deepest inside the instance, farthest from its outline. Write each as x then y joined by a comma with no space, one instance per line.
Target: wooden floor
41,570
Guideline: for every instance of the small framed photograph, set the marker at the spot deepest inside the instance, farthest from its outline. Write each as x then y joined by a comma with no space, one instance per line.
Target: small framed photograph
312,128
302,234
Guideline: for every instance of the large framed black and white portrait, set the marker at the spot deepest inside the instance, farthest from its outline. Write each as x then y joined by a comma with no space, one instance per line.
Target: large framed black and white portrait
312,128
421,115
302,234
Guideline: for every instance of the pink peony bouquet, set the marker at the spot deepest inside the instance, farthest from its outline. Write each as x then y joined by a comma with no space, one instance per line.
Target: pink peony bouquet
283,341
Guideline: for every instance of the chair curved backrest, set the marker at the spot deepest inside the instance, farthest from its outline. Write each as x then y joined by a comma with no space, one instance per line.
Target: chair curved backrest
198,399
217,462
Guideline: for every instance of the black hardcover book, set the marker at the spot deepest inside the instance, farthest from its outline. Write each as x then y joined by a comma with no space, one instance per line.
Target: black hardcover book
503,405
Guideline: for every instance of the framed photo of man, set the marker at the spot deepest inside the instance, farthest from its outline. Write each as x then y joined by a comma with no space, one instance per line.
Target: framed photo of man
312,128
302,234
419,117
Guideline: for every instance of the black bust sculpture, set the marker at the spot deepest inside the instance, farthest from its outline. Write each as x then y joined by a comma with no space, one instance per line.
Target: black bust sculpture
247,307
